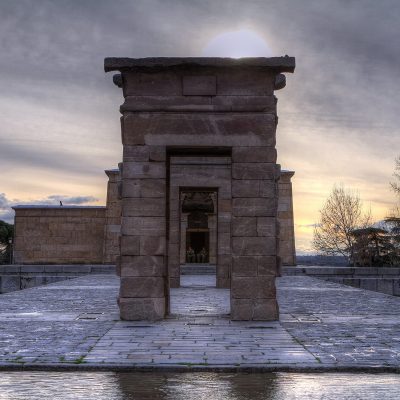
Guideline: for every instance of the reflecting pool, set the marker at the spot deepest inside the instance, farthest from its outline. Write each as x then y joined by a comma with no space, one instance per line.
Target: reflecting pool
199,386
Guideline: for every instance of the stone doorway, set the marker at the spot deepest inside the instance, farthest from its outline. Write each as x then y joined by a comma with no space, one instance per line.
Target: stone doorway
197,242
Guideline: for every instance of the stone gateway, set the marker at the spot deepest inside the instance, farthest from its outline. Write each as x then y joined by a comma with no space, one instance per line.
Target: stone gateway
199,128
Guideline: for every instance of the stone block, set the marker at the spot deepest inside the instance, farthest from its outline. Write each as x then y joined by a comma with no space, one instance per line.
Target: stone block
174,281
223,282
199,85
224,244
244,266
150,309
143,170
142,286
152,245
244,226
130,245
254,207
153,188
254,310
143,207
396,287
132,130
261,287
142,266
150,84
201,129
253,246
267,265
146,226
245,188
144,153
266,310
266,104
254,155
266,226
253,171
245,82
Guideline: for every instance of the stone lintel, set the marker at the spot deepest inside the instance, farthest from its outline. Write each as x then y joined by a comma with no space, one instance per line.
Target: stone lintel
278,64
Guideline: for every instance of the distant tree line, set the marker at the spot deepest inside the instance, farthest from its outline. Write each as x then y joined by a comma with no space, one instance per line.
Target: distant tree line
344,229
6,238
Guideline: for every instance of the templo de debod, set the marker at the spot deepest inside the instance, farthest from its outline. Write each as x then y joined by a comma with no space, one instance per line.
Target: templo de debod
198,183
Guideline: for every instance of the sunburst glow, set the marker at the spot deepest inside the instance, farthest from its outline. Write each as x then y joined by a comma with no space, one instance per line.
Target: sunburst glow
236,44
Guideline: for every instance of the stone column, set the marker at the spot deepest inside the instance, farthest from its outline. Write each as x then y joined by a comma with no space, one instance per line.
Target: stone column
112,228
143,286
254,241
287,250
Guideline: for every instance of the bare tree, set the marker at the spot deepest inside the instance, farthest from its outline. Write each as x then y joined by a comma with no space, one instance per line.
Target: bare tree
396,184
340,216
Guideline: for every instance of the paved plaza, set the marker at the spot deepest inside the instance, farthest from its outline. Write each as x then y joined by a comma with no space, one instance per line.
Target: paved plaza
323,325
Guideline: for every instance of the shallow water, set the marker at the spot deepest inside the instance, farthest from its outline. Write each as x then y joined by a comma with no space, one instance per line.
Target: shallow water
199,386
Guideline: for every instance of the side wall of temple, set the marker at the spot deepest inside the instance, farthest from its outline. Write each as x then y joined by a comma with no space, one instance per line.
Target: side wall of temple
59,235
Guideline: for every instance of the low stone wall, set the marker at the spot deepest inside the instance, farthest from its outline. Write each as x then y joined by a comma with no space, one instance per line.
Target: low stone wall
59,235
384,280
18,277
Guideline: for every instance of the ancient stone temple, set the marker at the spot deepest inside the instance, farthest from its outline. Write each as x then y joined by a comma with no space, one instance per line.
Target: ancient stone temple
199,163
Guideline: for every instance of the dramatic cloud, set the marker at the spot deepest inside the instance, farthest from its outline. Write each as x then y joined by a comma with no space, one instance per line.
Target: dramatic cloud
339,114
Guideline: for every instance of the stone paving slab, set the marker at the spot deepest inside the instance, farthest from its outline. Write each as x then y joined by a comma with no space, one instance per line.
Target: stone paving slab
324,325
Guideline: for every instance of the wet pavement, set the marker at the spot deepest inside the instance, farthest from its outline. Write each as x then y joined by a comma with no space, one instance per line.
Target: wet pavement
323,325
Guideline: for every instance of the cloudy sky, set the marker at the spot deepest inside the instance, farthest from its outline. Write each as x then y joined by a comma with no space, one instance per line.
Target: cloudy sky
339,114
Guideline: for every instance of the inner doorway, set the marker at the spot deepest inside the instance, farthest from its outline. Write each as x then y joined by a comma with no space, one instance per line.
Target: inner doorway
197,246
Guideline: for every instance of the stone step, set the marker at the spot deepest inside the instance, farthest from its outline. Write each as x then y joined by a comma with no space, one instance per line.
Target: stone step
198,269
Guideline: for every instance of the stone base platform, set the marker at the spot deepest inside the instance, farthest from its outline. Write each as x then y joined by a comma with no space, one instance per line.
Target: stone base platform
324,326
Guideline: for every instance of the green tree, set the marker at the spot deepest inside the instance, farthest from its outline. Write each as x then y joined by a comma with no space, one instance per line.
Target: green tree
341,214
6,237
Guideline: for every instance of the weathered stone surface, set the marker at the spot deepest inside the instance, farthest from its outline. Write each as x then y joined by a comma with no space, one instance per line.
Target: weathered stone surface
267,265
224,244
250,288
142,266
266,226
254,155
266,104
59,235
143,170
147,226
144,153
254,309
150,207
152,245
130,245
255,170
199,85
254,188
142,287
254,207
198,129
144,84
244,266
244,226
143,188
137,309
257,246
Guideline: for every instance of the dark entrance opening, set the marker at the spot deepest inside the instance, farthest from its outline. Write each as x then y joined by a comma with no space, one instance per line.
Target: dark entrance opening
197,246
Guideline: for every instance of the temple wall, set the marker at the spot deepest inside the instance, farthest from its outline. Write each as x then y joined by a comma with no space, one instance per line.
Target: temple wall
59,235
287,250
112,227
